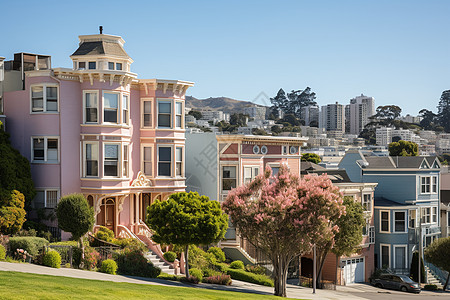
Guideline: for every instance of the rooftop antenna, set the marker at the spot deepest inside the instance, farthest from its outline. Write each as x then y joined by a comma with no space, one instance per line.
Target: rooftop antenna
101,29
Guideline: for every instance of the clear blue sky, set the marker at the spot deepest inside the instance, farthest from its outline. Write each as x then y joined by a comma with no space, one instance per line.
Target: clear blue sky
395,51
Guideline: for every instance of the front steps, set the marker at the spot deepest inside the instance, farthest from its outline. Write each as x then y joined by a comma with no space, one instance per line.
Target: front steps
157,262
431,279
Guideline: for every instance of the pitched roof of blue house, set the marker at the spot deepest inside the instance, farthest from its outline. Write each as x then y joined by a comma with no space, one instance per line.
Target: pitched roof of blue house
381,201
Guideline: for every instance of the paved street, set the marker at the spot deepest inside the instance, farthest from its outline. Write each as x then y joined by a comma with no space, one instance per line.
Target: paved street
356,291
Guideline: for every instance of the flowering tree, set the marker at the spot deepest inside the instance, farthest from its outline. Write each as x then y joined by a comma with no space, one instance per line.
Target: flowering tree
284,216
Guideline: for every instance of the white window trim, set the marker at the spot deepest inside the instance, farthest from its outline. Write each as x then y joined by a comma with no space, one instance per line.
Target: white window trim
119,160
371,229
406,254
389,221
84,105
381,255
175,114
370,202
151,100
432,184
122,95
422,216
172,161
432,214
253,167
222,191
431,177
45,161
415,218
172,111
127,160
182,161
119,107
45,190
44,98
151,146
84,159
405,220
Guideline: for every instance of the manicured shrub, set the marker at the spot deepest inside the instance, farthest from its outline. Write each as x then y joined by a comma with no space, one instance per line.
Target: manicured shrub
260,270
222,267
166,276
237,264
170,256
109,266
134,263
210,272
218,253
132,244
2,252
31,244
250,277
91,258
219,279
52,259
105,234
196,273
430,287
199,259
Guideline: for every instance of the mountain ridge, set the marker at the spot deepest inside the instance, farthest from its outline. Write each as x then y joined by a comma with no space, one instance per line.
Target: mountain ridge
225,104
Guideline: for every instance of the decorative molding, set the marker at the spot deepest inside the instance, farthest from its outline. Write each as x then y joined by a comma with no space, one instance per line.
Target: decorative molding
141,180
121,199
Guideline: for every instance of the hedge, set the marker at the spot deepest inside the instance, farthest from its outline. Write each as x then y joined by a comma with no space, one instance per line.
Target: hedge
29,243
109,266
2,252
52,259
250,277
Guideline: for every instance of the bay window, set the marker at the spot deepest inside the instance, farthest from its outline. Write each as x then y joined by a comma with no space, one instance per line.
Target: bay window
178,114
434,214
426,215
412,218
125,104
91,159
164,161
125,161
110,66
228,177
367,202
91,107
164,114
434,186
110,107
111,160
45,149
147,161
44,98
179,161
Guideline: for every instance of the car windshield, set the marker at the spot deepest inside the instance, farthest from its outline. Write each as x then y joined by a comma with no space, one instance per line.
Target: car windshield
406,279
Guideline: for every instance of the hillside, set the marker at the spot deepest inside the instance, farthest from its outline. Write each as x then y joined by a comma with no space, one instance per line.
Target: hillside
224,104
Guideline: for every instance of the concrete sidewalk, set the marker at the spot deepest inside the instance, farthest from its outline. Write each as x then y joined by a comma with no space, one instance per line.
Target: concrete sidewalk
293,291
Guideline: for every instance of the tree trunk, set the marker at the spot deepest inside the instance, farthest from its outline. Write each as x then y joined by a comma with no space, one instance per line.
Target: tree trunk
322,257
186,256
80,241
337,268
280,275
446,282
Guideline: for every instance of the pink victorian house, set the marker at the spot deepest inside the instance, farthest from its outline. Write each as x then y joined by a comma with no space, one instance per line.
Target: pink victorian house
98,130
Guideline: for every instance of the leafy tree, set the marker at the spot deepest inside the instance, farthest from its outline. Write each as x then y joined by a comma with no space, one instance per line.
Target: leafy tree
15,172
429,119
293,102
238,119
259,131
12,212
443,114
284,215
187,219
437,254
290,119
196,114
387,113
369,134
349,237
312,157
76,216
403,148
276,129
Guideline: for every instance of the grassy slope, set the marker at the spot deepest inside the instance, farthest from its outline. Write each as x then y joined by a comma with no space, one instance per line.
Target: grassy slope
15,285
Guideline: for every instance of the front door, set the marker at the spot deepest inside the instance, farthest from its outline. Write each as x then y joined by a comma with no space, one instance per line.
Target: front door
107,215
146,202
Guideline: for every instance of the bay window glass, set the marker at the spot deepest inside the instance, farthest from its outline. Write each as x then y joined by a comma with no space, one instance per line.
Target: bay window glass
91,106
164,161
125,104
426,215
147,157
179,161
111,161
147,114
179,114
44,98
228,177
110,105
81,65
367,202
434,215
434,186
412,218
52,98
125,161
119,66
110,66
91,159
164,114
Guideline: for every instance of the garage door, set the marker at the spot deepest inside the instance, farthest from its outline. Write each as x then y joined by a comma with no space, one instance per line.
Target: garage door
353,270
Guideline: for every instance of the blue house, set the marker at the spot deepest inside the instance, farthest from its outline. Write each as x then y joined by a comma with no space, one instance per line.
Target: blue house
406,199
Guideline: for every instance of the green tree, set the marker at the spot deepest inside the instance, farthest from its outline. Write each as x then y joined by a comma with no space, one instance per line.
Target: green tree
187,219
259,131
12,212
290,119
311,157
403,148
276,129
293,102
197,115
238,119
15,172
413,272
443,114
387,113
437,254
76,216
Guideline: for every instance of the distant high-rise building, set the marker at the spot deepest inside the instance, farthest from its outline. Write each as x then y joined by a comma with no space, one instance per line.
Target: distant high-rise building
360,109
310,114
332,117
256,112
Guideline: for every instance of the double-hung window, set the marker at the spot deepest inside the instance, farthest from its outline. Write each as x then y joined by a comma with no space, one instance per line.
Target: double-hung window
434,184
164,161
147,161
125,161
426,215
412,218
434,214
91,107
367,202
45,149
425,185
45,199
179,161
91,159
110,107
228,177
178,114
400,221
250,173
111,160
371,235
384,221
125,113
146,113
164,114
44,98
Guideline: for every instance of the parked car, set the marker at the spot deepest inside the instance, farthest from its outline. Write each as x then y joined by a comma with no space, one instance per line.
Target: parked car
396,282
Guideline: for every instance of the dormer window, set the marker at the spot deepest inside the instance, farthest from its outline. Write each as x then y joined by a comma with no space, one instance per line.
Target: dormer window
81,65
110,66
92,65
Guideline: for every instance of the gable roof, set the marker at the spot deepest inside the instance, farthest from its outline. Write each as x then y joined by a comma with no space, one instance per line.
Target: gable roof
381,201
336,176
401,162
307,165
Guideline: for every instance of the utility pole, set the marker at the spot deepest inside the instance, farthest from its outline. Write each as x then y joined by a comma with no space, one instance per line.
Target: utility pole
420,246
314,269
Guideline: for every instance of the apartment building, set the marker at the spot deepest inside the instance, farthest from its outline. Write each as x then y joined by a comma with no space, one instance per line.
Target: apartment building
360,109
332,117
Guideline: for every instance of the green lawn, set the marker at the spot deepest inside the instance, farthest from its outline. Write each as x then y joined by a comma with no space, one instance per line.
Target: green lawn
16,285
